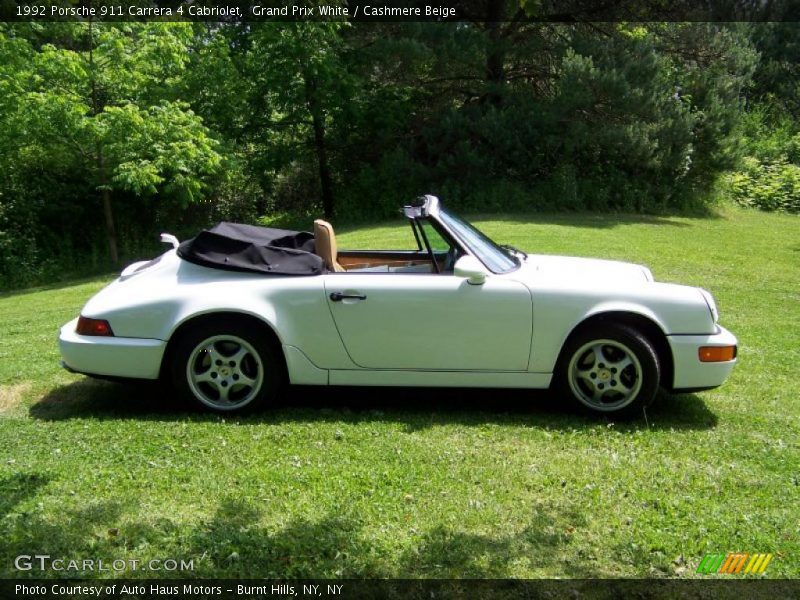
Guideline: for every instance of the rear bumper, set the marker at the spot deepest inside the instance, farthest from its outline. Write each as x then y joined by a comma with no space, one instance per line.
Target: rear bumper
689,372
133,358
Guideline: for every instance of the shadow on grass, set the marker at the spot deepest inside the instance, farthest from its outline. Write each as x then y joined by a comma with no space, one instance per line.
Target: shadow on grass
416,408
591,220
234,543
336,545
17,488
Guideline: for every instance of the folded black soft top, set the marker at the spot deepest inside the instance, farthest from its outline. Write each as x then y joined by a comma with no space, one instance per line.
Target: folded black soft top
239,247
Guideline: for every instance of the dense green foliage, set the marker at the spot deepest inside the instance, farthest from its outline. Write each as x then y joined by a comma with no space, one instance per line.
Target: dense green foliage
88,112
769,174
111,133
425,483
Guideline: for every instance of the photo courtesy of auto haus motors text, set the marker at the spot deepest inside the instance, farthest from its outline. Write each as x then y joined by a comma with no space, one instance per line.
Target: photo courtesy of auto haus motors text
183,590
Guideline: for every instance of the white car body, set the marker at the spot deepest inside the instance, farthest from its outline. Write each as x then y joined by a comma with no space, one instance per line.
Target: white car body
413,328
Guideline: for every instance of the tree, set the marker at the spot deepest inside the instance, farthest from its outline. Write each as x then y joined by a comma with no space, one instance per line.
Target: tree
298,68
99,99
777,78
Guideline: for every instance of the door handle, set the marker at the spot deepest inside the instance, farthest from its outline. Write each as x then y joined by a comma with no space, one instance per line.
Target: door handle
339,296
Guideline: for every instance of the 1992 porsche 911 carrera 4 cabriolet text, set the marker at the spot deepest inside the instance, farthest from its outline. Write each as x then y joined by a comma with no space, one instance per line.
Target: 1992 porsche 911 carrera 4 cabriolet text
230,315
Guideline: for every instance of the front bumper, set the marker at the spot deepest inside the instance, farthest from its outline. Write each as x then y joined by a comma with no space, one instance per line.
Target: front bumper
689,372
134,358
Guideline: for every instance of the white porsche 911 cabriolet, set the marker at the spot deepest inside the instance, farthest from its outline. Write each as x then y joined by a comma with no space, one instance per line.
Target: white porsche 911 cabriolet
232,314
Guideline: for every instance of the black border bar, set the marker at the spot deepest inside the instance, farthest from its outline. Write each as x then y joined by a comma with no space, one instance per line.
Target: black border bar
536,11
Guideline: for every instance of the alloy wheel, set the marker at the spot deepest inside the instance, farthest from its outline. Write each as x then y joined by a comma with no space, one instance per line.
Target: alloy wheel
225,372
605,375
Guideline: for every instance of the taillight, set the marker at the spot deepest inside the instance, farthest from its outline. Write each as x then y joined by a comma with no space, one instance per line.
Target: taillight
88,326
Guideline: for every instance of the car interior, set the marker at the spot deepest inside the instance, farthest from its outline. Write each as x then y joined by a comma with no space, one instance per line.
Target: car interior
435,253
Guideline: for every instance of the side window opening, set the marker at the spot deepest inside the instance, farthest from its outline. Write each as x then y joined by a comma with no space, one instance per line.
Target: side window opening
442,250
430,250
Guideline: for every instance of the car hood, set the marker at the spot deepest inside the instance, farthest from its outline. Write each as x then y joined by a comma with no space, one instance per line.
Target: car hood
595,271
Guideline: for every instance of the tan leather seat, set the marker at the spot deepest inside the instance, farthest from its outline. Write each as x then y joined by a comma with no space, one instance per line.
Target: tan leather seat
325,245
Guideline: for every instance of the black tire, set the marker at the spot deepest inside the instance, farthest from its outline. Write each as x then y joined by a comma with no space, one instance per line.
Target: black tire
609,369
226,366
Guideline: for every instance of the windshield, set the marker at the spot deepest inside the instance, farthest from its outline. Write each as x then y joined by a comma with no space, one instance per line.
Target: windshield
496,258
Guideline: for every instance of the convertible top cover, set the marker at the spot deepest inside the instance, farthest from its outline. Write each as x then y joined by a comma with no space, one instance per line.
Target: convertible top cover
239,247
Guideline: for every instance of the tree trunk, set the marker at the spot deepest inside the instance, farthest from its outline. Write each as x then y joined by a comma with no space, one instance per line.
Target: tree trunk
111,230
102,176
318,123
495,52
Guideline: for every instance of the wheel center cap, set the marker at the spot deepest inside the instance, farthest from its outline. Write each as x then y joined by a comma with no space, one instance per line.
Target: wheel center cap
604,374
225,371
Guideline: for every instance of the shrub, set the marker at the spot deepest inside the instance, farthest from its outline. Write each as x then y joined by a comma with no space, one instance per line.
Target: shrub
773,186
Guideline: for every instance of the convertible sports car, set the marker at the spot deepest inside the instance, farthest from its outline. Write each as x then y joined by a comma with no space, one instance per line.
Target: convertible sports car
231,315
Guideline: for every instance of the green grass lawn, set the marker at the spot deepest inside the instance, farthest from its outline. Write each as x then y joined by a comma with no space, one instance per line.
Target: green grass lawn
426,483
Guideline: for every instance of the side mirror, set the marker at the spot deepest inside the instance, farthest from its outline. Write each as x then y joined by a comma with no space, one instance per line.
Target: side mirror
471,269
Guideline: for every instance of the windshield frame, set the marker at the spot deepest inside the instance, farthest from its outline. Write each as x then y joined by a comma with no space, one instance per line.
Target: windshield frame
494,257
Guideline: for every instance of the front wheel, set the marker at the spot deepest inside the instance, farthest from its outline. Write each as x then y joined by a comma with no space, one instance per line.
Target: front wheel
610,368
225,367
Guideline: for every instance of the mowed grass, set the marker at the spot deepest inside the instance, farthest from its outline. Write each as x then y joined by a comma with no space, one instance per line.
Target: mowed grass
425,483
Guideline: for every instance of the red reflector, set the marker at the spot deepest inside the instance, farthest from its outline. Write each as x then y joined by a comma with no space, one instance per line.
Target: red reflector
88,326
716,353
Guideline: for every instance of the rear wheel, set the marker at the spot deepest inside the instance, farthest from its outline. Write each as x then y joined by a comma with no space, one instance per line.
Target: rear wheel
609,368
226,367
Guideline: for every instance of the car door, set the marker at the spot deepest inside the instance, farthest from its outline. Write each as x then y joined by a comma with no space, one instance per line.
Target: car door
431,321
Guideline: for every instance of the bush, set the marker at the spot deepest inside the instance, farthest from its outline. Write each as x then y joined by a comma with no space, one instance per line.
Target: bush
772,186
769,175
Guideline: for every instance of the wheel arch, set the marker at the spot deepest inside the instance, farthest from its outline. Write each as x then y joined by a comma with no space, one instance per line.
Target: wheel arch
258,323
645,325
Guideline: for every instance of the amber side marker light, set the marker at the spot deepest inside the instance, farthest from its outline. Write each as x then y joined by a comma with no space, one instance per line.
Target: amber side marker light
716,353
88,326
